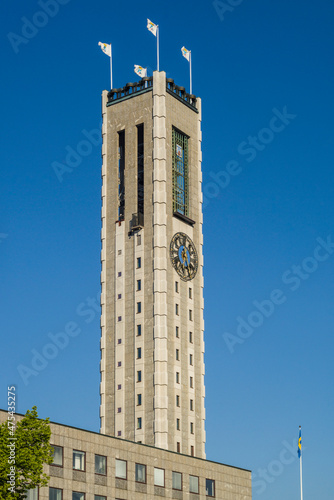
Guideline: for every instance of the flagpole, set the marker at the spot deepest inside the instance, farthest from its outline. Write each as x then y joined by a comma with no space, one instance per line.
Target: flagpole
191,83
110,66
158,29
301,479
300,454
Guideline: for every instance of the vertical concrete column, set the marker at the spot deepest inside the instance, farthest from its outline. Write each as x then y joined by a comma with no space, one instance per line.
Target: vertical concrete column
160,261
103,265
201,445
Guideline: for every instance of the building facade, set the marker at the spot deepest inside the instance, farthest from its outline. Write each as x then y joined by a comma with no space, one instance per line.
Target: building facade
152,347
91,466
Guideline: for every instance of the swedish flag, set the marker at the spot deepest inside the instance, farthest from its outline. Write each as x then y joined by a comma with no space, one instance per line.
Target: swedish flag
300,442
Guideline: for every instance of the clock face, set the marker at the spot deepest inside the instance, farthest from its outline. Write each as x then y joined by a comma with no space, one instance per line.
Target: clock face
183,256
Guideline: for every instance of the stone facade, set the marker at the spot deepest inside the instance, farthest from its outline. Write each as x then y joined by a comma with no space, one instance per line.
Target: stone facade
225,482
171,387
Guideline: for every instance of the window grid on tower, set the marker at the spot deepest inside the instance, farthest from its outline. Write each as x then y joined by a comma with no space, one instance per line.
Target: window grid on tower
180,173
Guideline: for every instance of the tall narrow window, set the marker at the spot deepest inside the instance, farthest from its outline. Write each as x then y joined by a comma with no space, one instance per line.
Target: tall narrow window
121,169
140,167
180,173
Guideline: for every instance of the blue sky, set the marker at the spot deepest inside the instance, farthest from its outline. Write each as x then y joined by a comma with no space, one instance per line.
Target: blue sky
264,71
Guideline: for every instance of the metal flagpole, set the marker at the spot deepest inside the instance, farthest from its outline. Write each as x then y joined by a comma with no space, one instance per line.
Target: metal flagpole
191,83
158,46
300,453
110,66
301,479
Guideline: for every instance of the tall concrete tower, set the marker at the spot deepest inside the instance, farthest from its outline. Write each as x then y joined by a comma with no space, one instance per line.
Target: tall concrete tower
152,348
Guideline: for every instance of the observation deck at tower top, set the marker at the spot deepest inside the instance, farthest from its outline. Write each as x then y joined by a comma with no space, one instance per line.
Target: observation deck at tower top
146,85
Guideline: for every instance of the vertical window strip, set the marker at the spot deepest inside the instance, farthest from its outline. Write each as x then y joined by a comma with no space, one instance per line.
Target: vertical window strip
121,176
180,173
140,168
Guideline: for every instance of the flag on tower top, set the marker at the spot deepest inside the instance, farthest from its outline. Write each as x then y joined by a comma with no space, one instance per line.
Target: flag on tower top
186,53
300,443
152,27
140,71
106,48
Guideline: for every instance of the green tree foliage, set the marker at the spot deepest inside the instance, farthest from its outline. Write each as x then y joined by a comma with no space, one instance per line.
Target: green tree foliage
24,448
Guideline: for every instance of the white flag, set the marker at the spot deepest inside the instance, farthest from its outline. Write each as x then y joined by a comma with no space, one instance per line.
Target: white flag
106,48
186,53
140,71
152,27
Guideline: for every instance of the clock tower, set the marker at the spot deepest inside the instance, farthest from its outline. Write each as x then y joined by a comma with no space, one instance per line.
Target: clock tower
152,347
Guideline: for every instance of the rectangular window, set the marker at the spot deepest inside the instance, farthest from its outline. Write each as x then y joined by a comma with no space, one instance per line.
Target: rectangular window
180,173
159,477
192,451
119,433
139,376
138,352
190,359
100,465
119,274
119,410
99,497
119,296
139,330
121,176
138,399
177,286
177,377
191,428
78,496
178,447
177,400
177,355
138,285
32,494
57,455
177,332
139,423
190,293
177,424
191,405
193,484
177,309
119,252
120,471
190,315
119,341
55,494
176,480
119,318
138,307
119,387
119,363
140,168
209,487
138,239
140,473
78,460
138,262
191,382
191,337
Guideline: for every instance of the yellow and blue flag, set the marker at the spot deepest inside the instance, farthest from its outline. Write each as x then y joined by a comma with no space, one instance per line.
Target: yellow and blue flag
300,443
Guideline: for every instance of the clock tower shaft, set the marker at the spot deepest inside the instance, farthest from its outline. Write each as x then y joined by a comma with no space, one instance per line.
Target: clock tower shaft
152,347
